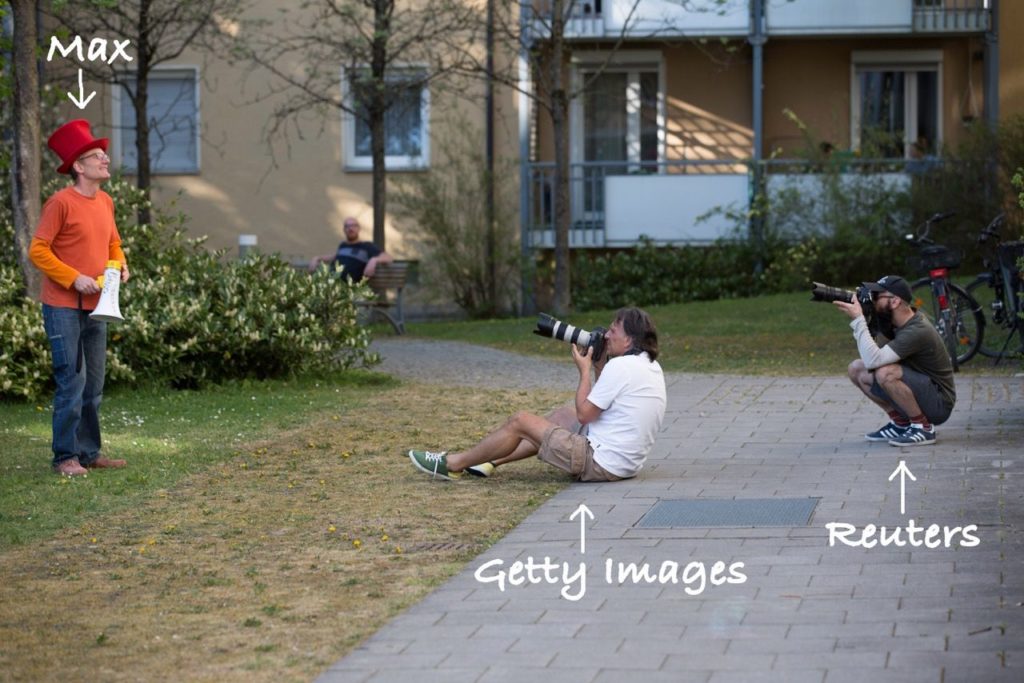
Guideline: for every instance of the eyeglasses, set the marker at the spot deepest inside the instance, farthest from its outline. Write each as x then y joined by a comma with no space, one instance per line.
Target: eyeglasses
102,156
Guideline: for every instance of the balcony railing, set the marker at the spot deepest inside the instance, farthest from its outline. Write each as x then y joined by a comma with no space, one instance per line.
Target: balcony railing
951,16
681,202
587,19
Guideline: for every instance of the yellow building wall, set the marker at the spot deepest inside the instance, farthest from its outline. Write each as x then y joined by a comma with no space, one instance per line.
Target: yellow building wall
812,78
708,103
294,194
1011,59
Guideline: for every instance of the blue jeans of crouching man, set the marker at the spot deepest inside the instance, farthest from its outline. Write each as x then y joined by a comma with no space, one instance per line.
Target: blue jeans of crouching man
78,346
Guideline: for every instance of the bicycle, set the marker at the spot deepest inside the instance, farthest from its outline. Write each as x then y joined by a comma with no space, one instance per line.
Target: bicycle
997,290
955,314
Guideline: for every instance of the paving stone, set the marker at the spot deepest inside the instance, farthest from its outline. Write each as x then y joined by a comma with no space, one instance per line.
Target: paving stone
808,611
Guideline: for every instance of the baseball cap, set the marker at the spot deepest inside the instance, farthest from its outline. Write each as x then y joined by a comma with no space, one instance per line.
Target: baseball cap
893,284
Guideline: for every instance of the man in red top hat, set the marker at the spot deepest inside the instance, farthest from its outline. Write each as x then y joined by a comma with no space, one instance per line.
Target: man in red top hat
76,237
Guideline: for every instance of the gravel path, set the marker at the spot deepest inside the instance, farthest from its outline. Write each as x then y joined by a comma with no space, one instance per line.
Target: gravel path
447,362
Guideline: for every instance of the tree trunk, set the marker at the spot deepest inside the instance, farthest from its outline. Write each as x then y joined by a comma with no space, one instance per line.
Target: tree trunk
379,177
140,101
559,129
376,108
27,140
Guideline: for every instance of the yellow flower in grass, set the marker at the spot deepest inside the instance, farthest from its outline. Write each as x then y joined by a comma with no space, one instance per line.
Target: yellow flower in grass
331,529
357,543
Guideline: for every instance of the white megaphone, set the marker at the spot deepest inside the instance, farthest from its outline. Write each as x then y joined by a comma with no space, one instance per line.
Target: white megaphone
107,310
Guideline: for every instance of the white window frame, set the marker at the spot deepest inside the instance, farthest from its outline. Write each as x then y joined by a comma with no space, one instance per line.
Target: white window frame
118,95
909,62
354,162
629,62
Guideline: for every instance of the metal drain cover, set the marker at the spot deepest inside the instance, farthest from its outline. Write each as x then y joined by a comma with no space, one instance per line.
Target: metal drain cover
751,512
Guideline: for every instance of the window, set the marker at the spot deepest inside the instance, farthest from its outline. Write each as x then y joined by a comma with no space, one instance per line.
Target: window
173,112
406,123
896,103
617,121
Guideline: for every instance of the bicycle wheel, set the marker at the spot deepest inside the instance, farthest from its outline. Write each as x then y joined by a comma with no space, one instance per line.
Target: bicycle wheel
1000,326
970,322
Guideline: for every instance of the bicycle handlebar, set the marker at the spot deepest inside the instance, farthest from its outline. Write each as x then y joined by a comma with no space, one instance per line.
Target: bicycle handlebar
923,238
992,229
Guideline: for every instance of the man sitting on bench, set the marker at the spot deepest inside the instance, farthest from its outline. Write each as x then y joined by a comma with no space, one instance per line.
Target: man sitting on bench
357,259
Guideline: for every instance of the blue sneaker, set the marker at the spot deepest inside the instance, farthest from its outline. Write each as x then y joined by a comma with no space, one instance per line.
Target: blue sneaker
434,464
889,431
915,435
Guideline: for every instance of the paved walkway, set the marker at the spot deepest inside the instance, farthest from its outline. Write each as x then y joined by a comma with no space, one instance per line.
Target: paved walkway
807,611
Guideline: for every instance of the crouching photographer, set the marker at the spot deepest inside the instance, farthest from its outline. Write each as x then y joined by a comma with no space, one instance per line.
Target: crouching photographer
610,428
910,376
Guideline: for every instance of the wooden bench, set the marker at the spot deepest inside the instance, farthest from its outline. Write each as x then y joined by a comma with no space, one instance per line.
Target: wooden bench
387,282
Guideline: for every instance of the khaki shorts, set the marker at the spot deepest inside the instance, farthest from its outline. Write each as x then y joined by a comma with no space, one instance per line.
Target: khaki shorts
572,453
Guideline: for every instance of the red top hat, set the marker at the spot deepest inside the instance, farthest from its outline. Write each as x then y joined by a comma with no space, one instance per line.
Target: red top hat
72,140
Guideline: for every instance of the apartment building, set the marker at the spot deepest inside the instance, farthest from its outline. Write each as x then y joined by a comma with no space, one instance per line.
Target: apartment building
685,102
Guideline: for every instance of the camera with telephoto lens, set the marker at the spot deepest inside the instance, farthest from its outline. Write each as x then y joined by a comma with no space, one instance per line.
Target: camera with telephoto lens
828,294
548,326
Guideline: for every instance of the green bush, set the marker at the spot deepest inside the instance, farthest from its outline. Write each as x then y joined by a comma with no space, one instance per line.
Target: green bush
24,349
651,275
191,317
850,227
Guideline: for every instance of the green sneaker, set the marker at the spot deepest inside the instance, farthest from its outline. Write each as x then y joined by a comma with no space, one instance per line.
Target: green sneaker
484,469
434,464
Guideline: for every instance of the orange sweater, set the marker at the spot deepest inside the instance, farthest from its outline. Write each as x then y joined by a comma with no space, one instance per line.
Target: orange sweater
76,236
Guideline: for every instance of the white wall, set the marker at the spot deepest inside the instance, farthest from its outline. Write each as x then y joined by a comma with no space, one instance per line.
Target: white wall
666,207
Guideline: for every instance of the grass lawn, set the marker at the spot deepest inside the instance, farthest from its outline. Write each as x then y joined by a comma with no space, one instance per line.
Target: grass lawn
780,334
259,533
263,529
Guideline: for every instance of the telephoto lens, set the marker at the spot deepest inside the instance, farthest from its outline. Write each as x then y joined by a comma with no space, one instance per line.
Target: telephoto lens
549,326
829,294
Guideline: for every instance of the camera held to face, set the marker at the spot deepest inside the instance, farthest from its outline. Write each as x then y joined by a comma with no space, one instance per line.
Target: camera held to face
828,294
548,326
877,323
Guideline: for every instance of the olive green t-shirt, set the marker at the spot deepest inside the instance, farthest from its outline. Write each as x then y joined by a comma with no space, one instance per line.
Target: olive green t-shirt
920,348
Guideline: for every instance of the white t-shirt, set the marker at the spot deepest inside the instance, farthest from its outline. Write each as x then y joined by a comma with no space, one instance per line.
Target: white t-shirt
631,392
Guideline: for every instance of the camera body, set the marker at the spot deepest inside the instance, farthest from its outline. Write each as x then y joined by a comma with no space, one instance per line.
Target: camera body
828,294
549,326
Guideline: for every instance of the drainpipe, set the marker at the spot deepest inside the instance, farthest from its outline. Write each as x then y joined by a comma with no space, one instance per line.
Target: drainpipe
526,305
757,39
992,67
489,210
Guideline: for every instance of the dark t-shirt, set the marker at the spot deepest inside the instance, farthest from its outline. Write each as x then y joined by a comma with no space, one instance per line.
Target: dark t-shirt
353,258
920,348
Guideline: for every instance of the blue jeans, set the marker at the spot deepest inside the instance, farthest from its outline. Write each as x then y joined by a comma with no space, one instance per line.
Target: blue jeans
78,345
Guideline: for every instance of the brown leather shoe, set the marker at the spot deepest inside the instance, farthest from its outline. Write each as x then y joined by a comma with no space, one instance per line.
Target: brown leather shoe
70,468
106,463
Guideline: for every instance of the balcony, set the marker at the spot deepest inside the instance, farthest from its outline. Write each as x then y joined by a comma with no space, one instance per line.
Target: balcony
590,19
680,202
951,16
645,18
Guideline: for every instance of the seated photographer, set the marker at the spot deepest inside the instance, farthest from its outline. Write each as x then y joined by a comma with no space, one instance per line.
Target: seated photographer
620,414
911,376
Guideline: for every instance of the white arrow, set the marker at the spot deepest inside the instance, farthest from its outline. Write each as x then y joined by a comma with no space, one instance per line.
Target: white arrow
904,472
81,101
582,511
